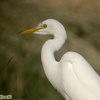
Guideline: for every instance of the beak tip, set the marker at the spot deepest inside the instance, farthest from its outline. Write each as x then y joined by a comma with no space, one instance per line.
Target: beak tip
19,32
29,31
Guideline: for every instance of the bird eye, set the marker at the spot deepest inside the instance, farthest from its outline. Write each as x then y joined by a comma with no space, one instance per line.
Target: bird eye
44,25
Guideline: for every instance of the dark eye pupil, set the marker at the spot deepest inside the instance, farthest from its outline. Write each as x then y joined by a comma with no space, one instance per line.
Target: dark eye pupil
45,25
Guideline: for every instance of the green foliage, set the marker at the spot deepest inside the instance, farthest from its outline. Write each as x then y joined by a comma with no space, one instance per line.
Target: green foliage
5,70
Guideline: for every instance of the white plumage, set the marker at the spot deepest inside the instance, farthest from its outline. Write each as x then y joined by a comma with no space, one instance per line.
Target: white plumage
72,76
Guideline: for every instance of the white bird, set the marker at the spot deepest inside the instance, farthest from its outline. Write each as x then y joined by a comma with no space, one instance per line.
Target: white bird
72,76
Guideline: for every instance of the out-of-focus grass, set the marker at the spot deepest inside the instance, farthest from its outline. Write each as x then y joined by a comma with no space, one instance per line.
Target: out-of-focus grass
25,77
5,70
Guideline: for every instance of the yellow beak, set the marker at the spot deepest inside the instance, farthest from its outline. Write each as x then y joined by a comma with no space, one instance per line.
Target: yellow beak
32,30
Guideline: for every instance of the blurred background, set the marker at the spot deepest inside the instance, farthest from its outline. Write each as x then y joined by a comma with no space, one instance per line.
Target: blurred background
25,77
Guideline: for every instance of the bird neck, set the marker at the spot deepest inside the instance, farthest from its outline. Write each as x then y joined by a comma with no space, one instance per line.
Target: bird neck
49,48
49,62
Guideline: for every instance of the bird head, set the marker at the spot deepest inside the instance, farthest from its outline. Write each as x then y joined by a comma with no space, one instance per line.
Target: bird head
47,27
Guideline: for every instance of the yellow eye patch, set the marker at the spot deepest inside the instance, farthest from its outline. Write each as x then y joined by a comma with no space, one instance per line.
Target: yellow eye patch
43,26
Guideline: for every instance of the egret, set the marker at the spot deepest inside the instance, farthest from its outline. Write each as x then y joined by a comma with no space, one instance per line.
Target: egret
72,76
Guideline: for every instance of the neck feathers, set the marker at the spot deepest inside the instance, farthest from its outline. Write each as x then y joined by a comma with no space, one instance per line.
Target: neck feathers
49,48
